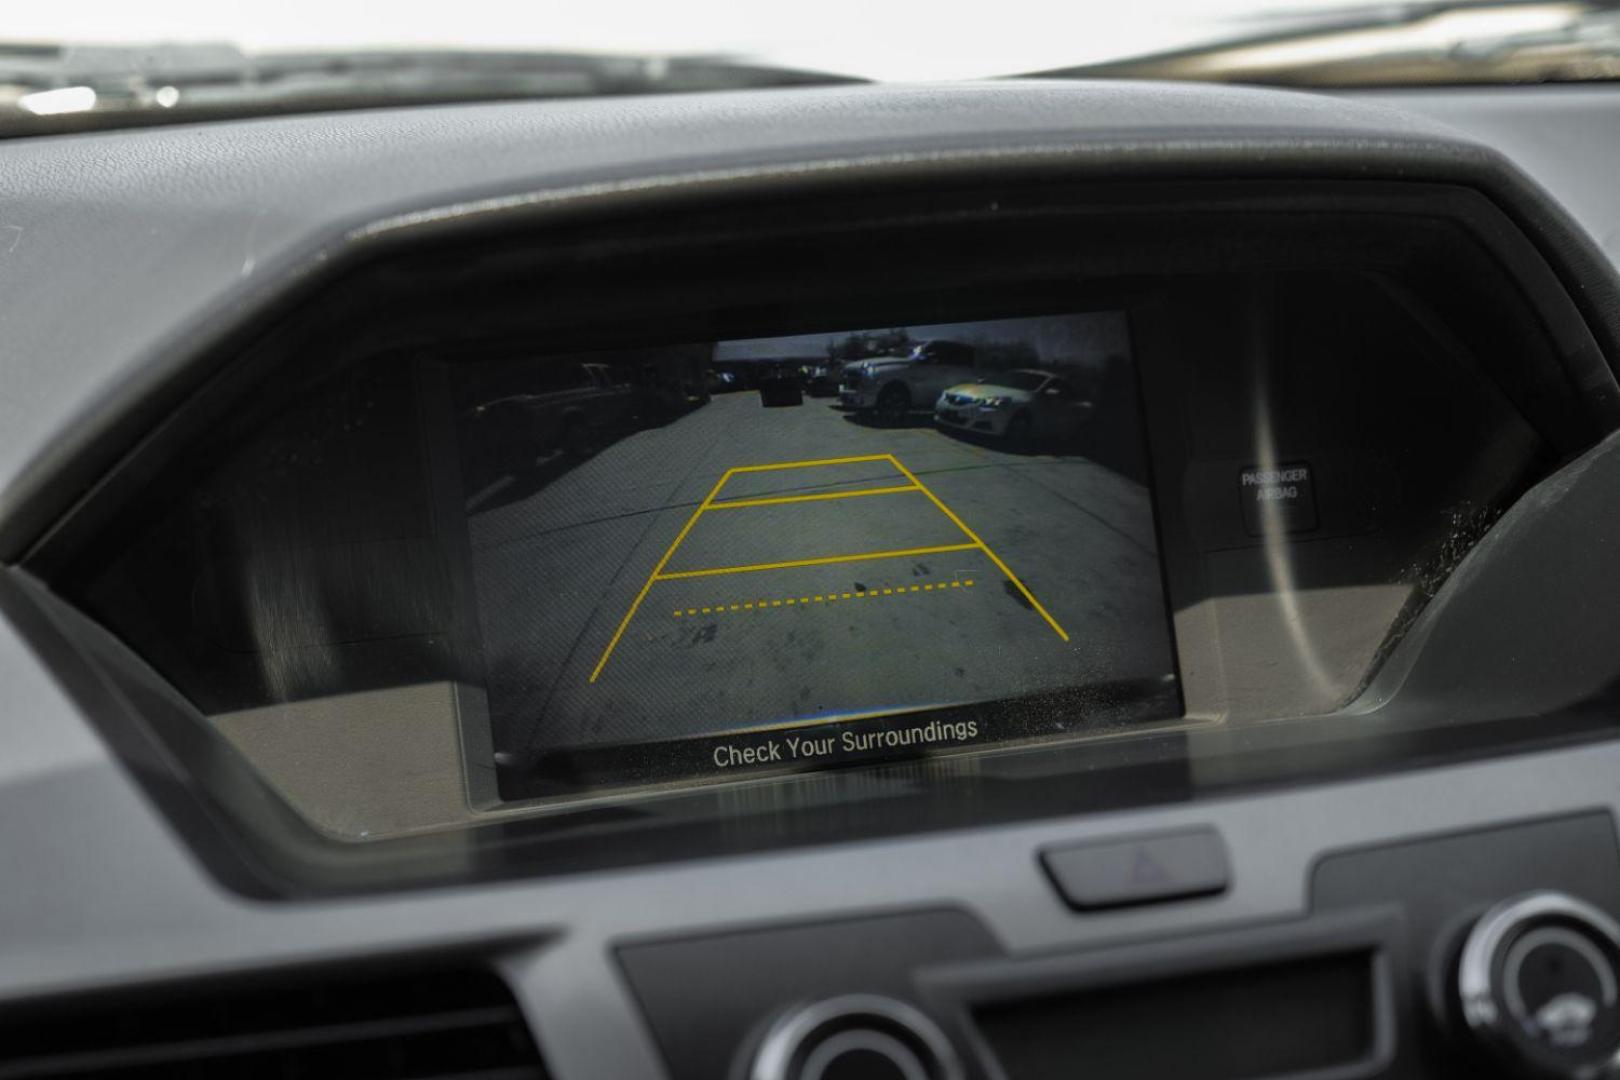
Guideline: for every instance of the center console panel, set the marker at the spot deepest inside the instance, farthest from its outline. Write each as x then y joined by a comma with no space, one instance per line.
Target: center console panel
1372,983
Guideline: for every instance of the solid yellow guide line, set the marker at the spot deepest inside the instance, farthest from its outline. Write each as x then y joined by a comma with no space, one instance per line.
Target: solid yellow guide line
709,503
860,556
812,464
642,595
777,500
1003,567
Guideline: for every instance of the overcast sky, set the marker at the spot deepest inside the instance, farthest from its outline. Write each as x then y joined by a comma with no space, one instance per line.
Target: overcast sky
884,39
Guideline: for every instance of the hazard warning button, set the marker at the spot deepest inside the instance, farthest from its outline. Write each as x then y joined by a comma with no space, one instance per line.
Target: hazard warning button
1139,869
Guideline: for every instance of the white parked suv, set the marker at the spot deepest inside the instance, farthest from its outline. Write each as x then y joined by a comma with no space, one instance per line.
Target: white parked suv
1019,407
890,388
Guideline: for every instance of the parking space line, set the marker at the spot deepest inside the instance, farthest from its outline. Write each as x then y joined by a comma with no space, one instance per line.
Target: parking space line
860,556
812,464
982,546
913,484
777,500
652,577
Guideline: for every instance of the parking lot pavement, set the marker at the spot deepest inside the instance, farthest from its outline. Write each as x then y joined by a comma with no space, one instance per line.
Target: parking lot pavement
684,582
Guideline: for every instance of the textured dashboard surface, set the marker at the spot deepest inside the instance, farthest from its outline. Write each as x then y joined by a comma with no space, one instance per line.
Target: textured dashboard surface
1565,137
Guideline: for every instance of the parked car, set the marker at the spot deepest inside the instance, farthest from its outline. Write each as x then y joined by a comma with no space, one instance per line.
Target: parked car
890,389
822,380
576,406
1019,407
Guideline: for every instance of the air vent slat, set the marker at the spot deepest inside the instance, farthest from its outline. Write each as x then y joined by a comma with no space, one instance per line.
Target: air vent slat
267,1042
440,1026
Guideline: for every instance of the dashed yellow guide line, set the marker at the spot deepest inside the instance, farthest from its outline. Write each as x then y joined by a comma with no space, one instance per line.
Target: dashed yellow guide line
709,504
877,592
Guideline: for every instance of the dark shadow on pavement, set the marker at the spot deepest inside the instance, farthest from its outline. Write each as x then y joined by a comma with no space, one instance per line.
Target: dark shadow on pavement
867,420
494,476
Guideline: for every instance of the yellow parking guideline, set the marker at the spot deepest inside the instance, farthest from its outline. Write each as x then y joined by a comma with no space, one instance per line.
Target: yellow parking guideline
642,595
1012,577
863,556
709,503
828,598
812,464
777,500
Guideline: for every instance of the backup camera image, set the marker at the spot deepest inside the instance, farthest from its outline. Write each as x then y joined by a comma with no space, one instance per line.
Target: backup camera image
795,552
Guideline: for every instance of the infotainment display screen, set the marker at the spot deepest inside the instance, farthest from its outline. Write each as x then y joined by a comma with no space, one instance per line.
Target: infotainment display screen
716,560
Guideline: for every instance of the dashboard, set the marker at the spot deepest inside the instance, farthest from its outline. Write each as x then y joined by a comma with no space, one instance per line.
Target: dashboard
1004,580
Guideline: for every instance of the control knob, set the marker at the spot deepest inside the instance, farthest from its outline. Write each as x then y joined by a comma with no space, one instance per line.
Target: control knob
854,1037
1538,985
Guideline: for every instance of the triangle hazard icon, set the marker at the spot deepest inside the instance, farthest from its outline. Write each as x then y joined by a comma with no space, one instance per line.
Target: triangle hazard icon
1145,870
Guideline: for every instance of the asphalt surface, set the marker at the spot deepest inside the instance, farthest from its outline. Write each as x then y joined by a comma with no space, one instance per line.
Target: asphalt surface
931,570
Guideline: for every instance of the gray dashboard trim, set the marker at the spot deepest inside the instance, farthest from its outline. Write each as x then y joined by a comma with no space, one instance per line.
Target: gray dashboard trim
193,230
112,898
1566,138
